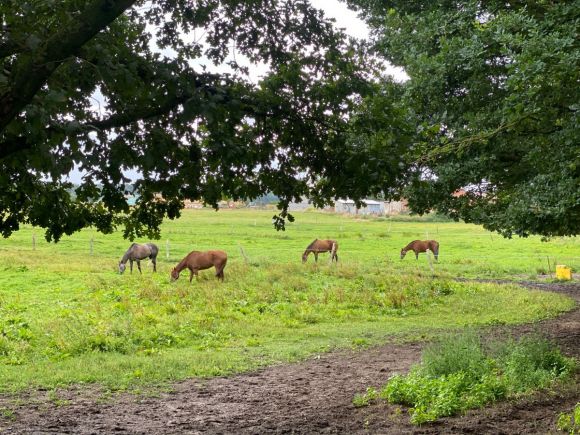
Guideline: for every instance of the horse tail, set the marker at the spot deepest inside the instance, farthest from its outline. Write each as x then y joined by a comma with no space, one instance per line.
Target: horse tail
333,251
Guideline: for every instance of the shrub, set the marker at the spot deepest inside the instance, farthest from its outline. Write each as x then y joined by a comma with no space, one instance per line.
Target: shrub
456,353
532,363
459,373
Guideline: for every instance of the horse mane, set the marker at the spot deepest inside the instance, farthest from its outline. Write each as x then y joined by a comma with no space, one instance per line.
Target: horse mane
408,247
126,254
311,245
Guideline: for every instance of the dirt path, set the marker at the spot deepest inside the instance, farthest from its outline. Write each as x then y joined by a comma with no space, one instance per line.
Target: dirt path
314,396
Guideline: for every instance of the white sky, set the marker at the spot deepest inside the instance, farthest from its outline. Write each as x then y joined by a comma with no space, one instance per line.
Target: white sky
345,18
353,26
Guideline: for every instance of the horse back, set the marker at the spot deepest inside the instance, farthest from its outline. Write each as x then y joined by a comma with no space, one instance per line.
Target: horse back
218,256
154,249
323,245
207,259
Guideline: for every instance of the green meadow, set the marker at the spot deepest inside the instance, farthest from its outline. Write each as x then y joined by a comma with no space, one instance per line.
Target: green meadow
68,317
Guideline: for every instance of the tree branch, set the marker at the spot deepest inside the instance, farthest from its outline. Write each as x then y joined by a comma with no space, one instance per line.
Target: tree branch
11,146
32,70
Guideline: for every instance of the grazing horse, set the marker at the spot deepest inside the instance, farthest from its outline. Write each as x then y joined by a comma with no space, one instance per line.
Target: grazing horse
421,246
319,246
137,252
196,261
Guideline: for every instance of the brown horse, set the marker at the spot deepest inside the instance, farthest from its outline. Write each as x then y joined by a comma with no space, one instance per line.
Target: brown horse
421,246
319,246
196,261
137,252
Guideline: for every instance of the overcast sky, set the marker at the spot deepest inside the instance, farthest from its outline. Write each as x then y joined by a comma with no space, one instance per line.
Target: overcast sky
353,26
344,17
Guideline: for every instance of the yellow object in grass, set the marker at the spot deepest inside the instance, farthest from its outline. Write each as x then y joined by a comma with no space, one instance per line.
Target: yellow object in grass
563,272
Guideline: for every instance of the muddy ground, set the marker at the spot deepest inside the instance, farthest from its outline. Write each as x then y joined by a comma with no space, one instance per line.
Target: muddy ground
314,396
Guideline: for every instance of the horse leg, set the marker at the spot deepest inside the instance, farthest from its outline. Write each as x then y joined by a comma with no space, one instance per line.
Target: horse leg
336,257
154,260
190,275
316,257
416,255
139,266
131,265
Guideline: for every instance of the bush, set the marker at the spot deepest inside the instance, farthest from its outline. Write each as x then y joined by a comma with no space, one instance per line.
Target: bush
460,372
532,363
455,353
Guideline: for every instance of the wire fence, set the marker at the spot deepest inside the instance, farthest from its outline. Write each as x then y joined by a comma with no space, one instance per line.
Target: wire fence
170,249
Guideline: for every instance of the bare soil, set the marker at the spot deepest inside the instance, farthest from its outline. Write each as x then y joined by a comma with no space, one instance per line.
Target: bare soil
314,396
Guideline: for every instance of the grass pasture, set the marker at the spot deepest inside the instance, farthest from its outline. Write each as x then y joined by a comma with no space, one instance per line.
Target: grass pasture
66,316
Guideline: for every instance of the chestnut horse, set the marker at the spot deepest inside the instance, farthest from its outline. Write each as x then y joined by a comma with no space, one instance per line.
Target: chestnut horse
196,261
137,252
319,246
421,246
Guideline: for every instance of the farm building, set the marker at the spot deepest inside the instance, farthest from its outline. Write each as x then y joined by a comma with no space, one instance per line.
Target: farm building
395,207
371,207
348,206
304,204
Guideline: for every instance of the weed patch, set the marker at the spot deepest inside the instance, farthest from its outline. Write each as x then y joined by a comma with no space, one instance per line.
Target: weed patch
569,422
459,373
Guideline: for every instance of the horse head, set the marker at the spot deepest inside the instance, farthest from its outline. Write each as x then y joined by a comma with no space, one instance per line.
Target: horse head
122,267
305,256
403,253
174,274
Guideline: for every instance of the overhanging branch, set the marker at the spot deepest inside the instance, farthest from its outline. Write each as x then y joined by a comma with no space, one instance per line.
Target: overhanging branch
32,70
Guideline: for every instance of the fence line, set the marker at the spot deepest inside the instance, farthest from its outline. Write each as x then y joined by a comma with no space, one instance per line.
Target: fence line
180,248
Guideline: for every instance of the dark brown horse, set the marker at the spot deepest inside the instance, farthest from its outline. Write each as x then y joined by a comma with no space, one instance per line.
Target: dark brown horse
137,252
421,246
196,261
319,246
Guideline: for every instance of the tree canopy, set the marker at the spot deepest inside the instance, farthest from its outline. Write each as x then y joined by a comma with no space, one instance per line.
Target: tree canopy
107,86
495,90
485,129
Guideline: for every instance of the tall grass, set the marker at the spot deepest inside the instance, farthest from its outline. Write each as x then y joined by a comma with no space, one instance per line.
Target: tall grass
461,372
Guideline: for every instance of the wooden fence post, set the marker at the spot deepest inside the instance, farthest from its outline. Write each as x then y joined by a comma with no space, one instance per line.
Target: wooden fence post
167,249
91,246
428,252
33,242
246,259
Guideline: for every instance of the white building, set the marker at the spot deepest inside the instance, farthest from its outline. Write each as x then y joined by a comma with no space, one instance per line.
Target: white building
348,206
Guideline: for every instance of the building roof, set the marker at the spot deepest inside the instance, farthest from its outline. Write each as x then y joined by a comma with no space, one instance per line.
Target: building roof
365,201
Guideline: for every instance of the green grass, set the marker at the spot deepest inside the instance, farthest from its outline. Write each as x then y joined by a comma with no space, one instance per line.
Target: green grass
459,373
569,422
68,317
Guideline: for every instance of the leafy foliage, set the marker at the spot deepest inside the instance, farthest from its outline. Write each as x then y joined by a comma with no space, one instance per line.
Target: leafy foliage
494,86
460,373
110,86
